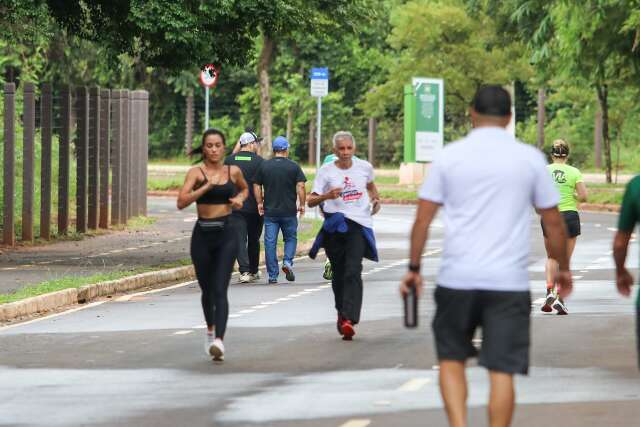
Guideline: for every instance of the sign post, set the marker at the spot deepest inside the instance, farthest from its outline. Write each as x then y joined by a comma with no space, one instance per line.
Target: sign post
429,113
208,78
319,88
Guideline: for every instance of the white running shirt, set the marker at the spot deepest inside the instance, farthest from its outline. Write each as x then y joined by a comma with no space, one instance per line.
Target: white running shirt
354,198
487,184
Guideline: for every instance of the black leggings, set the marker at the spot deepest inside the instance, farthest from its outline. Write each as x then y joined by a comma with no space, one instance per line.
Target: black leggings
213,252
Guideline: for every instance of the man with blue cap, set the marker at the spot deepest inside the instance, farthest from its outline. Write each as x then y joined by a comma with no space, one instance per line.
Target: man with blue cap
278,182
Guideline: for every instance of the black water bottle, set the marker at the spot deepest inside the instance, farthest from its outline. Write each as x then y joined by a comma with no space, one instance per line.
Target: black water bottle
411,308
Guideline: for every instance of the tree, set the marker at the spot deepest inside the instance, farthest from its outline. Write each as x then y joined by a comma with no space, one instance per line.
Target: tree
442,39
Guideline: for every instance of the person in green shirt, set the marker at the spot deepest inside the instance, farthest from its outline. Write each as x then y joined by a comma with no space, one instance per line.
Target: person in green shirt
572,189
629,217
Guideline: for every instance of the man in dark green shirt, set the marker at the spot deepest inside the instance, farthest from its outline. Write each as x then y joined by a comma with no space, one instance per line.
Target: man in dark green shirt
629,217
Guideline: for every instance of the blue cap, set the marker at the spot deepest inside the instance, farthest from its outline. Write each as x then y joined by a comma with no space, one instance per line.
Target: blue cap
280,144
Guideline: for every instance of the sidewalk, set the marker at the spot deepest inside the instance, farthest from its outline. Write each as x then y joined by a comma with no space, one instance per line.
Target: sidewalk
589,178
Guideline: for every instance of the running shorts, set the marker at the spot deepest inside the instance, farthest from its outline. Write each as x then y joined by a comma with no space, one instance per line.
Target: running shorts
503,317
572,222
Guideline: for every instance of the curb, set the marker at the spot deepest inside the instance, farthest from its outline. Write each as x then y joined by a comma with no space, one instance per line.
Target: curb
87,293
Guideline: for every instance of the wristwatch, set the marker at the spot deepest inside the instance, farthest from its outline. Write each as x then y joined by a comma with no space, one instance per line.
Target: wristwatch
414,268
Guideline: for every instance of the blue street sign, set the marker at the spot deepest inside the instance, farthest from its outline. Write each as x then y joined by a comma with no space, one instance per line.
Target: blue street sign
319,74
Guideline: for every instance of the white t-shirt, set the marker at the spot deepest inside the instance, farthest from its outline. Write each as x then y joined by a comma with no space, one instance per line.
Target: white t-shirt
487,184
354,198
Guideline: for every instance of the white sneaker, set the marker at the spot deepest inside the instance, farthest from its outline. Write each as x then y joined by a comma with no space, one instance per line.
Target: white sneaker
217,350
208,342
559,306
246,278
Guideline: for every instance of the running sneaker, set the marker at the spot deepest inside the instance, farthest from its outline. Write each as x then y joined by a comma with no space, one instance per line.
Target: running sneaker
288,272
559,306
217,350
257,275
208,342
273,281
246,278
549,300
328,272
347,330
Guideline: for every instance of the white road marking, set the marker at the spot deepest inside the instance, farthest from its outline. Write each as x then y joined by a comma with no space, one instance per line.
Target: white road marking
584,271
258,307
356,423
269,302
539,301
39,319
9,268
116,251
190,219
246,311
234,315
203,326
185,332
577,277
612,229
414,384
598,225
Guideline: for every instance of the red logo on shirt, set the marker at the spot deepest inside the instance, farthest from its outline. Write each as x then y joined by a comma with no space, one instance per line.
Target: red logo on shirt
349,192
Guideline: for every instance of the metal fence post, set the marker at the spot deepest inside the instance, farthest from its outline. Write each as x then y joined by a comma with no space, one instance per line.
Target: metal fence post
105,154
144,132
126,155
82,159
94,157
28,158
46,113
116,157
64,161
8,227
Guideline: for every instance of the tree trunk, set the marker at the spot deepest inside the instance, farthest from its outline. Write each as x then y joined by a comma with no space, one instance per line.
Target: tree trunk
266,55
188,125
541,118
603,94
312,145
289,124
372,139
597,139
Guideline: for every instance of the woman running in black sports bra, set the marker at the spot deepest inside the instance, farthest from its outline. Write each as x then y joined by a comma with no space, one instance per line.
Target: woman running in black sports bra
213,242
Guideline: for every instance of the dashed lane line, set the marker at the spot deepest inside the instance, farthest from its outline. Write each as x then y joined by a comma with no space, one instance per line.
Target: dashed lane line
185,332
356,423
414,384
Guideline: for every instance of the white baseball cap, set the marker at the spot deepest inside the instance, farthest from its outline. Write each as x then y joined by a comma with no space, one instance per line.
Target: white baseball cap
249,138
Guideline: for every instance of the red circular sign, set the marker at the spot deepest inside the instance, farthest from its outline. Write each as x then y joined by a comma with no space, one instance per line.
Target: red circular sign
209,75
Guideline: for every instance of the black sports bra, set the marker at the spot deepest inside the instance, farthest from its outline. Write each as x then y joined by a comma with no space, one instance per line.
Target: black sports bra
218,194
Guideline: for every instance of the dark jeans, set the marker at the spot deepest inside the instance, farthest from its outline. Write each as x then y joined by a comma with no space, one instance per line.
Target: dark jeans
345,251
249,228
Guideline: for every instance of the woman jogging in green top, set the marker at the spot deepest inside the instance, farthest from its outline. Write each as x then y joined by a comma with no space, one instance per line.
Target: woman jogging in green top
572,189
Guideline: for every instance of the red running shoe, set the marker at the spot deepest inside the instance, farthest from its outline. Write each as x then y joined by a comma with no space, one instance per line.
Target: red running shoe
347,330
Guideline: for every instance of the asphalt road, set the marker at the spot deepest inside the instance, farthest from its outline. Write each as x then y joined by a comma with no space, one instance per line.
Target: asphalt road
139,359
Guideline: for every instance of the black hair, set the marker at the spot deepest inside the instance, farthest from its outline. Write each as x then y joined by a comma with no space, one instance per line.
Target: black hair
492,100
210,131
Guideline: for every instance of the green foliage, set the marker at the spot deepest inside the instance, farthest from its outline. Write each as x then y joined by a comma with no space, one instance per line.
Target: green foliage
441,38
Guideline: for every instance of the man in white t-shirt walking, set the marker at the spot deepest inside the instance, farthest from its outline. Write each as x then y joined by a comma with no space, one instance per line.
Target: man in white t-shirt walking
346,189
486,184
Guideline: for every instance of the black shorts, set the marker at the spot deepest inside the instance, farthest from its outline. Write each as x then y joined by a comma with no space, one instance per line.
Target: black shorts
503,317
572,222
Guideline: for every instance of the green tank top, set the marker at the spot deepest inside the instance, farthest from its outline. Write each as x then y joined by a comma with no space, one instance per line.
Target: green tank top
566,177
